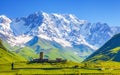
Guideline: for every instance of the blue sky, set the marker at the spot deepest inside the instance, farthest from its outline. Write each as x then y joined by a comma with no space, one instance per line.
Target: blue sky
107,11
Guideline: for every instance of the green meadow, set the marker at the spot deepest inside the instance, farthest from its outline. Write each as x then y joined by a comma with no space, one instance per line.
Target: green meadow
68,68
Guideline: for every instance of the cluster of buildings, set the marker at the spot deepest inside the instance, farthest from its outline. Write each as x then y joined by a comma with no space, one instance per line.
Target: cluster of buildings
42,60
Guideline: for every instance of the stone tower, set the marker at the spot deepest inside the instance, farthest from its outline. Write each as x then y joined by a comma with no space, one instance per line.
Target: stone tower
41,55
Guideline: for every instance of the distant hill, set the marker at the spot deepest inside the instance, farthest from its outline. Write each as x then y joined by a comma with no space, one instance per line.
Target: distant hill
53,50
7,56
110,51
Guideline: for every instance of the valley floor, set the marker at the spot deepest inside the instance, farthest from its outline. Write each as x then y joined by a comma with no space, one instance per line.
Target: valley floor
53,69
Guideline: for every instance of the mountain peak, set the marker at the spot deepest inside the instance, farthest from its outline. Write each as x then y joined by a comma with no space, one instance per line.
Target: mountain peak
4,19
65,27
5,25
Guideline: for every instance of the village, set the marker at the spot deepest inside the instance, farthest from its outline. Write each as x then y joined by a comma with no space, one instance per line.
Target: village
41,59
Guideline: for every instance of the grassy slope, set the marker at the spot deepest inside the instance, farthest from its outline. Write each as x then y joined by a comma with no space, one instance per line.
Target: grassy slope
7,56
25,52
51,49
110,51
54,50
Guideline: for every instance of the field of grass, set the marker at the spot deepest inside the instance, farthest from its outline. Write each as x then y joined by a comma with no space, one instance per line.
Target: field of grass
68,68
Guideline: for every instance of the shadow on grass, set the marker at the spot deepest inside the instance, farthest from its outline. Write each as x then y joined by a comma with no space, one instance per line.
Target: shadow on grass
47,68
39,68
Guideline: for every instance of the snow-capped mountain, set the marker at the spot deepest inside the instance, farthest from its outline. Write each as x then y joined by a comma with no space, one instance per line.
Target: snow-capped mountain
115,29
7,34
97,33
5,25
65,29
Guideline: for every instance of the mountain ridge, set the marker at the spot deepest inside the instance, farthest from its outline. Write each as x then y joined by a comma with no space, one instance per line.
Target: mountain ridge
108,52
38,21
64,29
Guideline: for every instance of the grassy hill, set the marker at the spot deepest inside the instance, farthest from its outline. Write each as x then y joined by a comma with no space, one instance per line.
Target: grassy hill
53,50
110,51
7,56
